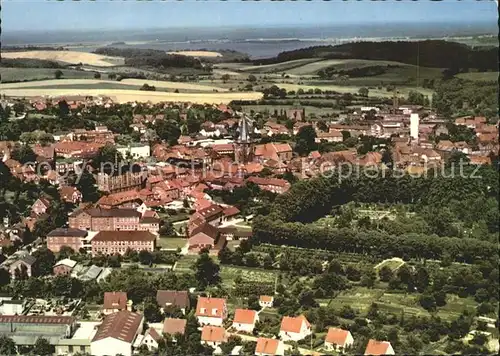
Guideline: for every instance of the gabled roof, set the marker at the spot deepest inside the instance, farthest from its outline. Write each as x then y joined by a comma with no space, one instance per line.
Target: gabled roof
213,334
375,347
154,334
122,325
206,306
244,316
266,298
173,326
67,232
66,262
293,324
124,236
115,300
337,336
179,299
267,346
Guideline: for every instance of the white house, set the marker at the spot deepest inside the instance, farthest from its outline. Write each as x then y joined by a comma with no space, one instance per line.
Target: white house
116,334
134,150
294,328
269,347
376,348
151,339
245,319
210,132
266,301
338,339
211,311
213,336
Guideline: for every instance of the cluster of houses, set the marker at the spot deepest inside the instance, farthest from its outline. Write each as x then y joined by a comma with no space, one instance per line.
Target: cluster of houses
121,328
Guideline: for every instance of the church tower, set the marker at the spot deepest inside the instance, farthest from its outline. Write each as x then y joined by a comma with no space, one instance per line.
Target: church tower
244,148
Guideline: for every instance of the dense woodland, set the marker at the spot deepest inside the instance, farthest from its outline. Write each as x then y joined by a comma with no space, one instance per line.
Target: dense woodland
430,53
151,58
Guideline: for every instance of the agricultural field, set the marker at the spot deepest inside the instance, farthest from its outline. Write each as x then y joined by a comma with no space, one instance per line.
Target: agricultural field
30,74
479,76
230,273
208,54
267,68
124,96
70,57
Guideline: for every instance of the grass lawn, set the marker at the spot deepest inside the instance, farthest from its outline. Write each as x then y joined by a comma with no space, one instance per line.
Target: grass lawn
172,242
392,264
359,298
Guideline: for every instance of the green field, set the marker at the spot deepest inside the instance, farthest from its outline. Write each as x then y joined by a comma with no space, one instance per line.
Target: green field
29,74
361,298
267,68
479,76
172,242
116,85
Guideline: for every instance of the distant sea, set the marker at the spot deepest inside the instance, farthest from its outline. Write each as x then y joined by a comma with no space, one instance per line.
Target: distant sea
257,42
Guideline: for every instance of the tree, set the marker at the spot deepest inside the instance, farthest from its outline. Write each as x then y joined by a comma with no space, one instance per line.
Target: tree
363,91
58,74
7,346
252,78
225,255
43,347
24,154
111,76
87,185
168,131
145,257
45,260
322,126
4,279
225,78
305,140
167,229
253,302
97,75
427,302
152,312
206,270
106,157
65,252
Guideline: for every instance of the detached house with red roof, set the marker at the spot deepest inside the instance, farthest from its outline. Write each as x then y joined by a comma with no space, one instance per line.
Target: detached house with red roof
115,302
269,347
376,348
211,311
294,328
213,336
40,206
245,319
338,340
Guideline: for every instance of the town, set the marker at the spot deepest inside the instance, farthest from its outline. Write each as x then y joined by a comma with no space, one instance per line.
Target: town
250,187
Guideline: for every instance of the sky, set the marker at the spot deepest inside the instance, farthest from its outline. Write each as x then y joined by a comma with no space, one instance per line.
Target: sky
50,15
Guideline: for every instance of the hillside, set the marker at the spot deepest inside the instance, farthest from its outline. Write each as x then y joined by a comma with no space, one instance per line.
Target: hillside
430,53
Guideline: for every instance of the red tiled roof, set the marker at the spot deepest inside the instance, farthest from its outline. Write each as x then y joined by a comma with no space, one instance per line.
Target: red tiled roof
173,326
266,298
293,324
375,347
267,346
209,304
337,336
244,316
213,334
231,211
115,300
269,181
154,334
122,325
179,299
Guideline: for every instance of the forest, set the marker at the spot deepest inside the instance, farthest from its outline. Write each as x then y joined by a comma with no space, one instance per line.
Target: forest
157,59
430,53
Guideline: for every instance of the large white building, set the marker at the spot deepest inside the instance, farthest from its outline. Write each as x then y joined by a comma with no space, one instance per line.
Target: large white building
414,125
134,150
117,334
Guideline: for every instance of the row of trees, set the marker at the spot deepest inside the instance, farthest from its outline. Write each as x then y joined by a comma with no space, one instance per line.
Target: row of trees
371,242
